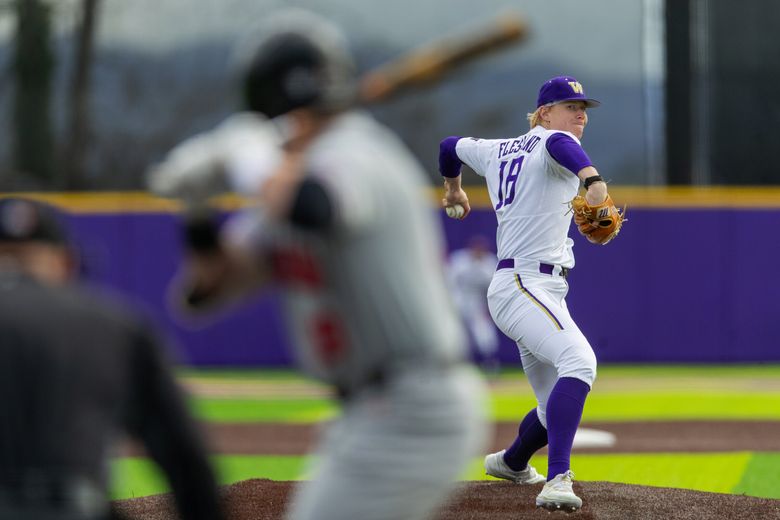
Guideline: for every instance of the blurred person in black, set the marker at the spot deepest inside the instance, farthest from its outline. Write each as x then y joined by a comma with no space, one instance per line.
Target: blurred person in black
76,370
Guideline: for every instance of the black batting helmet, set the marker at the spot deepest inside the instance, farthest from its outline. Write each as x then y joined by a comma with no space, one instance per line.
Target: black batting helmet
297,59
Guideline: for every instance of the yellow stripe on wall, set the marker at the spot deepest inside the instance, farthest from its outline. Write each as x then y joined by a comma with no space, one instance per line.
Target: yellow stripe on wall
119,202
697,197
633,196
664,196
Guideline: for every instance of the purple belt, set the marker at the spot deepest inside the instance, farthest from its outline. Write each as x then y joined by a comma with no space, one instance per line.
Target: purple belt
509,263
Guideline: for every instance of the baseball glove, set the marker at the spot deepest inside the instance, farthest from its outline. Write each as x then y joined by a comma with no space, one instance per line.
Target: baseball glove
600,223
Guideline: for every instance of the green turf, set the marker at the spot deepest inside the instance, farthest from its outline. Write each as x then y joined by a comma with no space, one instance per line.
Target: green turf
694,405
240,374
133,477
621,393
741,472
656,406
730,370
716,472
137,477
264,410
232,468
513,371
761,477
649,405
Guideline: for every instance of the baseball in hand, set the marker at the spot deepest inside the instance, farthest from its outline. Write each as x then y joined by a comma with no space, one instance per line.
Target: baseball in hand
455,211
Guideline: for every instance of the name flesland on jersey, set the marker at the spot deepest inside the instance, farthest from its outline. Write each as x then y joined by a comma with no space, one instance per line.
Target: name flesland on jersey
529,191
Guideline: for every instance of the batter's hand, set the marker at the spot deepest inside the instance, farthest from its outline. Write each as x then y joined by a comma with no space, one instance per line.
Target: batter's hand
211,281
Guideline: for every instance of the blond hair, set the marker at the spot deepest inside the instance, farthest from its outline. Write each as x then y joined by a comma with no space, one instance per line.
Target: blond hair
535,117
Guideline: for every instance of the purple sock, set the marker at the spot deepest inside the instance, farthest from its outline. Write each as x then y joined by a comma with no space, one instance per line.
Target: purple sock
531,437
564,412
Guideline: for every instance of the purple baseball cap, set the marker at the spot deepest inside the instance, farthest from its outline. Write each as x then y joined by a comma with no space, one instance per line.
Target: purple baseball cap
563,88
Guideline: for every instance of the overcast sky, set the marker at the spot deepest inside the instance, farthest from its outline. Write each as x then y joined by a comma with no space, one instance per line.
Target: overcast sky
606,44
604,37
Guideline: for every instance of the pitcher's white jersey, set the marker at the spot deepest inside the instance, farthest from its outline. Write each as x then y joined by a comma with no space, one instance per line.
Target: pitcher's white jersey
530,192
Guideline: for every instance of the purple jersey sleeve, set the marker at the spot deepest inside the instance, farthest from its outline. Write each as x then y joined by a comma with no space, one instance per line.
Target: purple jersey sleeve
449,162
567,152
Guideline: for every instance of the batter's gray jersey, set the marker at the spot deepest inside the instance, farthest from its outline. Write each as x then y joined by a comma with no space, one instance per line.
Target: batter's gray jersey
368,295
369,313
530,192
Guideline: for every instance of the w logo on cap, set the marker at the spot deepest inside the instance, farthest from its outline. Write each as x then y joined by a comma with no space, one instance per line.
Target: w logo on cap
576,87
563,88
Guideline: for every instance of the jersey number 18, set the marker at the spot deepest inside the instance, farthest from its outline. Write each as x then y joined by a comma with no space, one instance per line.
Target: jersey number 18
511,181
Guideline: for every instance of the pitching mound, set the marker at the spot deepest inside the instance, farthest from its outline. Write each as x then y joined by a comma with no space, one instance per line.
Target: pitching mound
260,499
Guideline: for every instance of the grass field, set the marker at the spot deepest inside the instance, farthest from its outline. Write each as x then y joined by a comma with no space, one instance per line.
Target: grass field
622,393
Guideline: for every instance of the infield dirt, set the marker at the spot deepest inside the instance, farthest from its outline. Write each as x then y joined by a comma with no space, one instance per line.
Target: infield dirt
259,499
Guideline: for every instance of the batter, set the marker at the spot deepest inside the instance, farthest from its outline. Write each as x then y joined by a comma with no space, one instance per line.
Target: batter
531,179
343,227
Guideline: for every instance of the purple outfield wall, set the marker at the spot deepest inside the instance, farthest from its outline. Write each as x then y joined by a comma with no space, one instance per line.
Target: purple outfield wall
679,284
136,254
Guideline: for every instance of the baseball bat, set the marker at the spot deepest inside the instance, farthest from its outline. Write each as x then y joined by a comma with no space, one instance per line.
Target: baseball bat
434,60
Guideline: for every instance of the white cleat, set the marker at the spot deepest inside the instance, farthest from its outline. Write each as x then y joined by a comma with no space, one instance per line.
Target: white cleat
558,494
496,467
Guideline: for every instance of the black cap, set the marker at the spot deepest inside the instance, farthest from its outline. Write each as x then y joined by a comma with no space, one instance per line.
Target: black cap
24,220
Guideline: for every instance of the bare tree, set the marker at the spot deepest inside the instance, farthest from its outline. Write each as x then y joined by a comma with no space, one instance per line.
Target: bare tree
33,66
78,126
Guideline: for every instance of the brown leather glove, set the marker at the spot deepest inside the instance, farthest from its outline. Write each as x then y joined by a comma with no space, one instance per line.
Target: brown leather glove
600,223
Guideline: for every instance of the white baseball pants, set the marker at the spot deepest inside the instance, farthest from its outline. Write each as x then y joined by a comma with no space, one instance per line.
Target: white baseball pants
530,307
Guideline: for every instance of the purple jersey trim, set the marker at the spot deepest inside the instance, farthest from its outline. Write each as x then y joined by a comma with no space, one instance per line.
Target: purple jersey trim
449,162
567,152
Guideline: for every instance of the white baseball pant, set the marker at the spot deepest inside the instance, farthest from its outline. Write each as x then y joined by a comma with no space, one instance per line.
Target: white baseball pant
530,307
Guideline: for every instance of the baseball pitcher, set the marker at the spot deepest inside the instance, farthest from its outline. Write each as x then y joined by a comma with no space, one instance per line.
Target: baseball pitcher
533,181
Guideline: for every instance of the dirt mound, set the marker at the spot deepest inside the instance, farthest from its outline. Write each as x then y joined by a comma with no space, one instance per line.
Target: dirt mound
261,499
